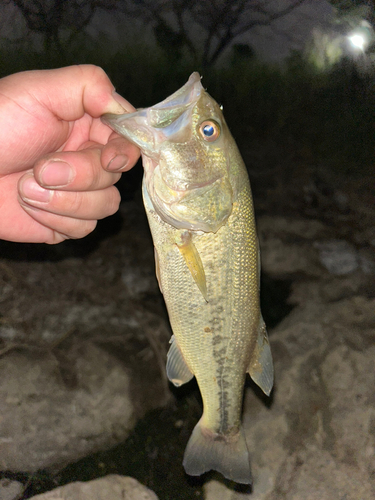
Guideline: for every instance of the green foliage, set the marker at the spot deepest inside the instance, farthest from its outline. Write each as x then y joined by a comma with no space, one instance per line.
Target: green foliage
318,117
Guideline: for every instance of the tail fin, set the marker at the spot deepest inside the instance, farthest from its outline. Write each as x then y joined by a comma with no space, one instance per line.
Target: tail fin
229,456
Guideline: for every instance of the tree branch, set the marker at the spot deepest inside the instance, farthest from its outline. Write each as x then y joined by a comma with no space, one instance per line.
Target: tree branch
231,34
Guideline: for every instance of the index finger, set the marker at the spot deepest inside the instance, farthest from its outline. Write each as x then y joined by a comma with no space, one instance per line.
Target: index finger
68,92
40,107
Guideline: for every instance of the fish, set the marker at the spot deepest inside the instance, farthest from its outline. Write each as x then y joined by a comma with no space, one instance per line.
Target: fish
199,206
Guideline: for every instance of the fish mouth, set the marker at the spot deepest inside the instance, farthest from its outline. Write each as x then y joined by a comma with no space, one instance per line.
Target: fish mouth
174,157
168,120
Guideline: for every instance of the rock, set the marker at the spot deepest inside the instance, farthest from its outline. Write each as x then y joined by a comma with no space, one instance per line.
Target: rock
317,438
287,245
53,423
340,257
81,359
111,487
10,490
84,343
291,246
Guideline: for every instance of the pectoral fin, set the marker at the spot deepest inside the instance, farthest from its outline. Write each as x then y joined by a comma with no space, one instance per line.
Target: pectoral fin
177,370
193,261
157,269
261,366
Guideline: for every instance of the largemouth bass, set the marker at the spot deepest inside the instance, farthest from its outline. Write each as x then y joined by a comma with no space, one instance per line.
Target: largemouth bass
199,206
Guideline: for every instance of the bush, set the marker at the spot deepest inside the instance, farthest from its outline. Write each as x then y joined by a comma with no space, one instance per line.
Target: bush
317,117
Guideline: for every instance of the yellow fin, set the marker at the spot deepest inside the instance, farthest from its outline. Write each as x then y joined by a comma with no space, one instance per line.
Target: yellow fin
177,370
228,454
261,366
193,261
157,269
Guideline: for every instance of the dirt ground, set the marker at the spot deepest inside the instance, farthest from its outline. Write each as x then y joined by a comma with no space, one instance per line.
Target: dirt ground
84,332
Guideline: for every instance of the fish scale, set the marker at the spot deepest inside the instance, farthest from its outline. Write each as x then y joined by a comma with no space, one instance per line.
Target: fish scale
229,258
199,206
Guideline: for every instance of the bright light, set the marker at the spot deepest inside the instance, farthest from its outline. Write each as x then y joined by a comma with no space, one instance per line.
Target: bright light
358,41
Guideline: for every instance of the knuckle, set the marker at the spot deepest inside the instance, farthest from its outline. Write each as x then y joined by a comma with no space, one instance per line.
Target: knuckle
56,237
72,203
95,73
95,175
86,227
113,202
79,229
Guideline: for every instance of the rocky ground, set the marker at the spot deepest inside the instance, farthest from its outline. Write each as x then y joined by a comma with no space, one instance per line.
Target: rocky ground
83,341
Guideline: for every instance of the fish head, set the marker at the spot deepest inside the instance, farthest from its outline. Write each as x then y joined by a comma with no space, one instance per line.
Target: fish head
185,145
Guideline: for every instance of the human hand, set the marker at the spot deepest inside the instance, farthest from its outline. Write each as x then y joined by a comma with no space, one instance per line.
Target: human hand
58,160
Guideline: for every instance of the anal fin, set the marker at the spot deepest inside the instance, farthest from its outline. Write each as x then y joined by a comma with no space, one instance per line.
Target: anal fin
193,261
261,365
177,370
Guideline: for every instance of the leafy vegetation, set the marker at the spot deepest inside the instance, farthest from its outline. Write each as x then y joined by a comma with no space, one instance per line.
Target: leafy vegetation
320,117
199,30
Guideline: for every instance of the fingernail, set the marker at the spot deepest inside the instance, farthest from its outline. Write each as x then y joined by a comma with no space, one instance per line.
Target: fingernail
117,163
31,191
125,105
114,105
56,174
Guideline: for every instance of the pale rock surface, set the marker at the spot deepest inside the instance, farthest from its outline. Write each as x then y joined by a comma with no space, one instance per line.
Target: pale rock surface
315,438
111,487
10,490
286,245
82,345
43,422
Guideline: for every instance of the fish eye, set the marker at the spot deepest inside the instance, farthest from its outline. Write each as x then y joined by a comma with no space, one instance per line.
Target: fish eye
209,130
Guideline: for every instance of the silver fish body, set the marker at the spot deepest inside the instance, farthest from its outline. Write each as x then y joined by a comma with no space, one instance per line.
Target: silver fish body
198,201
